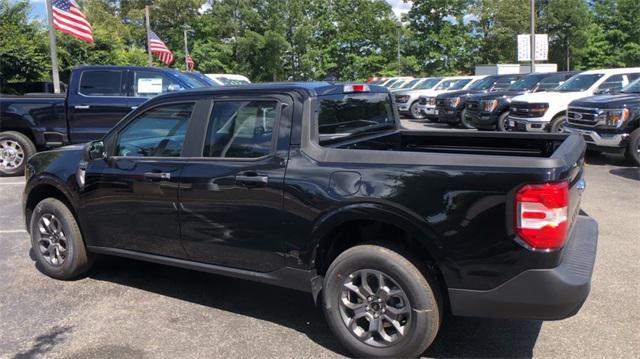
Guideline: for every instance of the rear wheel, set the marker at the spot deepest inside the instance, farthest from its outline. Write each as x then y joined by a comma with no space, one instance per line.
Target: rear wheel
379,304
56,241
632,153
503,122
15,149
557,124
416,114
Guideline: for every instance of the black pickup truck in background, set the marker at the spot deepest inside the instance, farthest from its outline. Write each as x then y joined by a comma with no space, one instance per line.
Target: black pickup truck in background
609,123
490,111
97,98
316,187
451,106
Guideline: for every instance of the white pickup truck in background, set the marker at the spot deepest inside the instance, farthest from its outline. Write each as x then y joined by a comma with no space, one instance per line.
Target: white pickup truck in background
546,111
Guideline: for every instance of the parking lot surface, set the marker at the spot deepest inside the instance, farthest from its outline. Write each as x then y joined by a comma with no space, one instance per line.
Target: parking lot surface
125,308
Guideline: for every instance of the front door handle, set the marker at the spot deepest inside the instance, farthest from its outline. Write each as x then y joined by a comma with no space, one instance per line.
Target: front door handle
81,107
252,179
158,175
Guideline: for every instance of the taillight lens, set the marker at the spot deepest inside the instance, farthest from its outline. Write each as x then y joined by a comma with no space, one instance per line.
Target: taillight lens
542,212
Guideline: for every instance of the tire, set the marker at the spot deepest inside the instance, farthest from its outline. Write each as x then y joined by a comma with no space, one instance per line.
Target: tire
416,297
557,124
464,123
53,226
15,150
632,152
415,113
503,122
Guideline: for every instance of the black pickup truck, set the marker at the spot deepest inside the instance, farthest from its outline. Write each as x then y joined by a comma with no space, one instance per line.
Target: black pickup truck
490,111
316,187
609,123
98,97
451,106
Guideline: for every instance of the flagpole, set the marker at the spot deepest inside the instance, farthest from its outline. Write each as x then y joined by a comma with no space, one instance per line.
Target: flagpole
185,29
146,15
52,48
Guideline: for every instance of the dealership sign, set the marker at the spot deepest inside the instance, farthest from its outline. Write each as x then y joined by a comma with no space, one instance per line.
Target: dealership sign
524,47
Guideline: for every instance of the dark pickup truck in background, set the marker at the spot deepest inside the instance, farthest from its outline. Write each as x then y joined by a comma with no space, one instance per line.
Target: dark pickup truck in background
490,111
316,187
451,106
609,123
97,98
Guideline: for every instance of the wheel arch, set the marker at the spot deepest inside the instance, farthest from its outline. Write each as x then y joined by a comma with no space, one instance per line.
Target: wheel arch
354,224
47,187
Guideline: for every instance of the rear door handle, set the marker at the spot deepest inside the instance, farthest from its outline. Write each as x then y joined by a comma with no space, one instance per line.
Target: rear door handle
252,179
81,107
158,175
134,107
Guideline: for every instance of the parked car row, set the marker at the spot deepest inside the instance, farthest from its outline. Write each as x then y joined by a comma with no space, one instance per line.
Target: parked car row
539,102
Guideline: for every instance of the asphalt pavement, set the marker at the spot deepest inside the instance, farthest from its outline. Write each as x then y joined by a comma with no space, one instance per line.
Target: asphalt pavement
124,308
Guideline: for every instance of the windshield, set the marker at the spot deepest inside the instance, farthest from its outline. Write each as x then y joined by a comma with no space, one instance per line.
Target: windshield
207,82
391,83
445,84
427,84
398,84
191,81
459,84
228,82
579,83
526,83
347,114
633,87
483,84
410,83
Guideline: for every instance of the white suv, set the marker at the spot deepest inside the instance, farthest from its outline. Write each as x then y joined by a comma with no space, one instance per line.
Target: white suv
546,111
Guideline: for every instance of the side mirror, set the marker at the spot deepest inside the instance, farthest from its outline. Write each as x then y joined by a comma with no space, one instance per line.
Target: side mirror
603,91
95,150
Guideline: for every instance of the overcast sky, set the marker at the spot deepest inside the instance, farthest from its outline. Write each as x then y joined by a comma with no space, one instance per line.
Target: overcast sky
38,7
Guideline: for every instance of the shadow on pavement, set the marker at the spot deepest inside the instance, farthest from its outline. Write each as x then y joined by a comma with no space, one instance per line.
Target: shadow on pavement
45,343
458,337
602,159
629,173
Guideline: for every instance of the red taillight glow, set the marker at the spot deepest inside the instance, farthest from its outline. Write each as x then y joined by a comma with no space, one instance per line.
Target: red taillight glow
356,88
541,215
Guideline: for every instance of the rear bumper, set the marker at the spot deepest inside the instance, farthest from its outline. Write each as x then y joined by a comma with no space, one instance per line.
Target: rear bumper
543,294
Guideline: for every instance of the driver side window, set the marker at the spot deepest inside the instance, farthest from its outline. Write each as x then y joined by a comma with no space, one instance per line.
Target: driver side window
159,132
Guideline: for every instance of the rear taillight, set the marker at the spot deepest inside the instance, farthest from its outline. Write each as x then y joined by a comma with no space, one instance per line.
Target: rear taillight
541,215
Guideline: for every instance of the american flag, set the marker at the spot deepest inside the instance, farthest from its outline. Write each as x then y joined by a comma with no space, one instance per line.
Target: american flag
68,18
159,49
190,64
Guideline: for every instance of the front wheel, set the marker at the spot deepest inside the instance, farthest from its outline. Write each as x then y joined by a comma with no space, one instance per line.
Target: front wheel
416,114
632,152
56,241
503,122
379,304
557,124
465,121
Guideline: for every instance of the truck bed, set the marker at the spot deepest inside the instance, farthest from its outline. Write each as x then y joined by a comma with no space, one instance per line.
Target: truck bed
471,143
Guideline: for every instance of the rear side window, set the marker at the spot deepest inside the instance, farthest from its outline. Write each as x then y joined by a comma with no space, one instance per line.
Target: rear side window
241,129
159,132
149,84
348,113
101,83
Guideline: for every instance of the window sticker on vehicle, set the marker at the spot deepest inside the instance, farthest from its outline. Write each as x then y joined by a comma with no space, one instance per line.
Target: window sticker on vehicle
150,85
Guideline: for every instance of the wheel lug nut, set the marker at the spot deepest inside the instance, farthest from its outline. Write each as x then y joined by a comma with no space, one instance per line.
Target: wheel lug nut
369,298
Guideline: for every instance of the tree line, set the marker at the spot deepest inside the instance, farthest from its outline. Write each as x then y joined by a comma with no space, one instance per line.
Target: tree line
276,40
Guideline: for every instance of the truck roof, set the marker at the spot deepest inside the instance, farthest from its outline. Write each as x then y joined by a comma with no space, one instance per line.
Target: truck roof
306,89
622,70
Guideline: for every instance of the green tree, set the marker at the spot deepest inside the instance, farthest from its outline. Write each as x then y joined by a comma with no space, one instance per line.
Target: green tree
442,41
24,54
567,23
